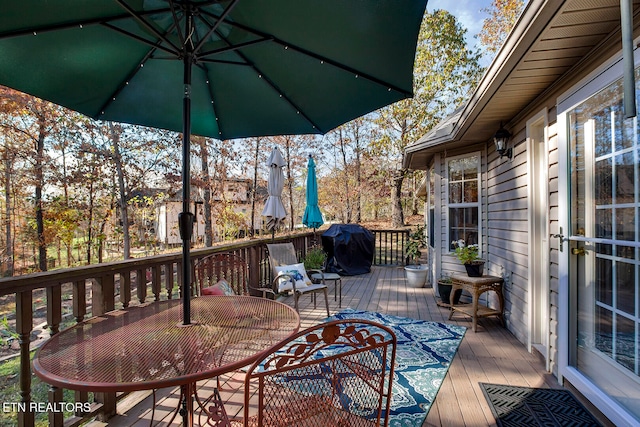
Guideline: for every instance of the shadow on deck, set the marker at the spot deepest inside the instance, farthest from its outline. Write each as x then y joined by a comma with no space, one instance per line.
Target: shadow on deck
492,355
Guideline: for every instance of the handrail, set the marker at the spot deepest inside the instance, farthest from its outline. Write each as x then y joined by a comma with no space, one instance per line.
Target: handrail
104,287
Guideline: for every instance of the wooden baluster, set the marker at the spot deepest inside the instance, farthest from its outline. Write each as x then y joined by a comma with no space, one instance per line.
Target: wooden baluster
141,277
125,288
54,308
79,299
24,326
168,279
156,285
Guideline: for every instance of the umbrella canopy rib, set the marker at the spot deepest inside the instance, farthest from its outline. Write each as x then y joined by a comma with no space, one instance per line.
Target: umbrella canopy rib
202,55
75,24
150,27
215,26
154,44
278,90
321,58
154,47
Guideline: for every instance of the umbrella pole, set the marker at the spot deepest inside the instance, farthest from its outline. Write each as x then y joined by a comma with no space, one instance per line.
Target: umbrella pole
185,219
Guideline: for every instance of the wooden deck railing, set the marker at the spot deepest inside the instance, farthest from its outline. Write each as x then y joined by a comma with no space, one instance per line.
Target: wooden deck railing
97,289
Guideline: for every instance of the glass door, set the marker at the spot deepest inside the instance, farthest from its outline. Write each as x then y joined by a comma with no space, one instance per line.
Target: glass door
605,246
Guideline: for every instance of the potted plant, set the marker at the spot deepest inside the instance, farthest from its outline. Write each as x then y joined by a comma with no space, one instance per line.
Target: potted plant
315,258
416,273
469,257
444,290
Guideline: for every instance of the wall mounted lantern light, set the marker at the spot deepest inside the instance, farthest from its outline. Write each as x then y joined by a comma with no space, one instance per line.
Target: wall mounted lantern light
501,138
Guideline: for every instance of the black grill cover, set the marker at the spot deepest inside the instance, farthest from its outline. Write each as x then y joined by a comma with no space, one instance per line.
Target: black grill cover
349,248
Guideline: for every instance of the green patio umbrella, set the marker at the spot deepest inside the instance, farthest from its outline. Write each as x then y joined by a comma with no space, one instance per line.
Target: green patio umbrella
218,68
312,217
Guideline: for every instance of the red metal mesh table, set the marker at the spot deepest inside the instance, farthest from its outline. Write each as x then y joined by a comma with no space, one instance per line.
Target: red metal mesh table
147,347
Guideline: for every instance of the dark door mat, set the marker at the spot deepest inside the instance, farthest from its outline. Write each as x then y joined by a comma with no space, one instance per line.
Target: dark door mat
531,407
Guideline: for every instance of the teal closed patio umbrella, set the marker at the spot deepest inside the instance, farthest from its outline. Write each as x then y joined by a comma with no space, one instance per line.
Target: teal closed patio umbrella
312,217
224,69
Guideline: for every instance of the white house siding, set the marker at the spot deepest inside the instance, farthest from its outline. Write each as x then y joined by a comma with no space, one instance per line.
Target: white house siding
507,235
504,227
508,226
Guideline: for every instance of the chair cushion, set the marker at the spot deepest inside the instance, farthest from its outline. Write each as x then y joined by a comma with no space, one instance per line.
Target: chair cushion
220,288
297,272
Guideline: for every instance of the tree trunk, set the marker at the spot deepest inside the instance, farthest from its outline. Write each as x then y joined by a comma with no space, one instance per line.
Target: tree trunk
65,187
7,201
290,183
124,212
253,189
343,151
414,195
89,226
358,201
204,158
39,175
397,216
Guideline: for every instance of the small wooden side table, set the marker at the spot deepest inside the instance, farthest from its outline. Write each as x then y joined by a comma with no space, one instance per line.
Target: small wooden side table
476,286
335,278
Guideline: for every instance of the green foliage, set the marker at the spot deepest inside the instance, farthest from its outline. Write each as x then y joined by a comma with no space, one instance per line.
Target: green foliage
10,392
466,253
445,280
315,258
6,331
445,71
503,15
417,240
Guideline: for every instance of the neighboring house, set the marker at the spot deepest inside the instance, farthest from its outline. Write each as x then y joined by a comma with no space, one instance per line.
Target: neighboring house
235,191
167,212
559,221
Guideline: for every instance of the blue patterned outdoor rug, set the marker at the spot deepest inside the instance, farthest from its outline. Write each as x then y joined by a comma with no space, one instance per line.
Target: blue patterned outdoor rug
423,355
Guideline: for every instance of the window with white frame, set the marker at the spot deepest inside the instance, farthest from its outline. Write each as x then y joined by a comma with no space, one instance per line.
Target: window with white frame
464,198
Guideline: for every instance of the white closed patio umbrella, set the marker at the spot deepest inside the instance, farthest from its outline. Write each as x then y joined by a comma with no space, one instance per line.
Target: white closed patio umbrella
273,208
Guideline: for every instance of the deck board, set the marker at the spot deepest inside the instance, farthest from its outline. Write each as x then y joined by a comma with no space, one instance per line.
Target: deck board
492,354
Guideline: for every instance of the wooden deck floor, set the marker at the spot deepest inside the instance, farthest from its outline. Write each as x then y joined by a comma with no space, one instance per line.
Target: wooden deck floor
492,355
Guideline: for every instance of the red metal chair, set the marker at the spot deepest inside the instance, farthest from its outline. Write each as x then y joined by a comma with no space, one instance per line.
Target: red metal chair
232,268
334,374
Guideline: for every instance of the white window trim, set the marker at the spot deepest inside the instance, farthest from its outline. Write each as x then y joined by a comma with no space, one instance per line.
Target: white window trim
478,204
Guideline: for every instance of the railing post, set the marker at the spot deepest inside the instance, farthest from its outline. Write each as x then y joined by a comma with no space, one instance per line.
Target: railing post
56,418
253,260
103,301
24,325
79,312
103,295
